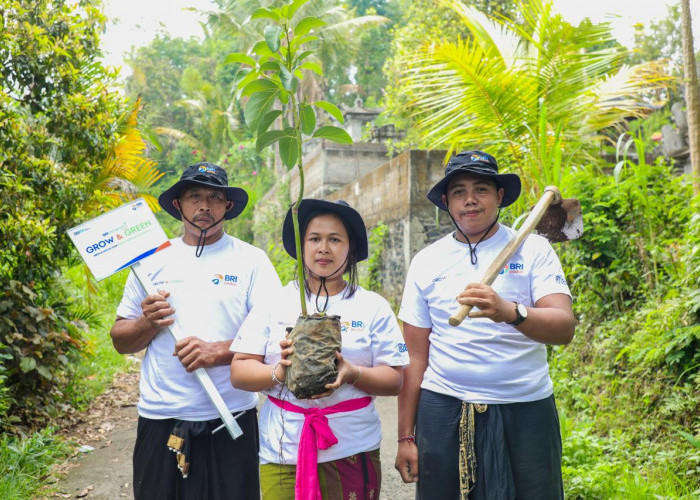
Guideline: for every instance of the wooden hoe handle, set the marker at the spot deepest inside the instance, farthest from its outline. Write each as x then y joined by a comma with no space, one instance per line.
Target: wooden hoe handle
551,194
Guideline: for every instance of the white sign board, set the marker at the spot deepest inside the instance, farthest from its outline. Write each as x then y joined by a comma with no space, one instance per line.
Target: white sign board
119,238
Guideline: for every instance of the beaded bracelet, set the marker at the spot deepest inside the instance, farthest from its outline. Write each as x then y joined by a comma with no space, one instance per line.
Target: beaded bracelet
274,377
410,438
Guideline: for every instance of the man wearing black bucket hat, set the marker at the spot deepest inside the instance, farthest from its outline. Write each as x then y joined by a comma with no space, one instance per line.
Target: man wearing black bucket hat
208,281
477,417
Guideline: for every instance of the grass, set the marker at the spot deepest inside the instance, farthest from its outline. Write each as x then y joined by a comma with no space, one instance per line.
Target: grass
26,461
613,468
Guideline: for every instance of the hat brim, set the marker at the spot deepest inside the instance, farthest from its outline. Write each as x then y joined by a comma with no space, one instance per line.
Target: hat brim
238,196
509,182
349,215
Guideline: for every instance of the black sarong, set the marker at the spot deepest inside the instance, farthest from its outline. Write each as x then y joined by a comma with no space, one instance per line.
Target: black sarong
517,448
219,466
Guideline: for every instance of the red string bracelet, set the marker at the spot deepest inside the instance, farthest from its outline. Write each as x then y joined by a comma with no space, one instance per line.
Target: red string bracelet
410,438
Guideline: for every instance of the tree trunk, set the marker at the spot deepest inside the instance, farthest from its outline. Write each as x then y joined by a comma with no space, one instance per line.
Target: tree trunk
692,94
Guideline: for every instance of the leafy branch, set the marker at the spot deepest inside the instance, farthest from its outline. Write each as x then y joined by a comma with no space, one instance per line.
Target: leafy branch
271,81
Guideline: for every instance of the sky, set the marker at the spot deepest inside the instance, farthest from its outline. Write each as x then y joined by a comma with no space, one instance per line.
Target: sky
136,22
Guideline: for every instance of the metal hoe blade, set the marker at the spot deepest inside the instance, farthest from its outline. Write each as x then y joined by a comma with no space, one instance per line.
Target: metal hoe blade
562,221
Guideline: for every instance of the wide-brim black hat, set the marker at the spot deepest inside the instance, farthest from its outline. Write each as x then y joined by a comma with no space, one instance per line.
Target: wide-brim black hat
478,163
311,207
208,175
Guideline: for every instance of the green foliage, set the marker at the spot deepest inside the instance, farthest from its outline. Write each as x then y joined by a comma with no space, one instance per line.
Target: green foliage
24,461
5,396
631,250
608,468
40,348
547,85
58,119
59,123
185,87
274,78
99,361
660,40
340,44
369,276
631,375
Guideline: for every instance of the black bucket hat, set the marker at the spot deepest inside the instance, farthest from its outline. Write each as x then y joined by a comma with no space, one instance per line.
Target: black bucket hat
479,163
353,220
208,175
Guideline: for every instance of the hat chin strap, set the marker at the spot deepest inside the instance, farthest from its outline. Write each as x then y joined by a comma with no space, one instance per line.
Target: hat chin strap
472,249
322,285
202,232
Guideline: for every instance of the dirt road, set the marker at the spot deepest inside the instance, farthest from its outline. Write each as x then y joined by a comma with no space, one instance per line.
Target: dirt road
110,429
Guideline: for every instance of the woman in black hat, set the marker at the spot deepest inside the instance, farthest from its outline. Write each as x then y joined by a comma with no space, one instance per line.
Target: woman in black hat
345,423
477,417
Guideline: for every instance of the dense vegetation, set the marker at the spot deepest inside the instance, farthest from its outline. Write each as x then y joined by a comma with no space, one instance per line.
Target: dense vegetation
70,144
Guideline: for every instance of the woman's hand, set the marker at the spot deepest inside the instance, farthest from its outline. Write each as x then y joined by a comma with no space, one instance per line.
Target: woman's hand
491,305
347,374
284,363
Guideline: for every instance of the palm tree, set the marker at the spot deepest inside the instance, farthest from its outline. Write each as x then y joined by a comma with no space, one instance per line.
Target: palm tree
214,116
529,92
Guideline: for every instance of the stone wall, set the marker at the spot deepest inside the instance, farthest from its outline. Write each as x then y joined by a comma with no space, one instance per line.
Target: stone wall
329,166
389,191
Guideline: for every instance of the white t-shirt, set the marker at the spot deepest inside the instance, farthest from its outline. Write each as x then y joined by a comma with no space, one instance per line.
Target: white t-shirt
370,337
212,295
481,361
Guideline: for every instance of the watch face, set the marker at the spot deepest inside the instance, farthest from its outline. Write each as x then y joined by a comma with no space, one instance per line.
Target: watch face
522,311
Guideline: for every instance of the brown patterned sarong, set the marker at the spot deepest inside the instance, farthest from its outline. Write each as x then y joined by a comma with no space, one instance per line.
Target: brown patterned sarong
467,453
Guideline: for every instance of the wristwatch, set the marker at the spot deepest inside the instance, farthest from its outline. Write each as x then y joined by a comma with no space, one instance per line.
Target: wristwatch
521,314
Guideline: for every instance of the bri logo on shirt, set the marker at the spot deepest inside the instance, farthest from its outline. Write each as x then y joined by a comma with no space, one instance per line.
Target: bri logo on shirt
353,326
513,268
561,280
226,279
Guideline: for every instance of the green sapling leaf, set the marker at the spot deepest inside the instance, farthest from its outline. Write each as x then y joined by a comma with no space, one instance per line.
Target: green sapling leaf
308,119
238,57
268,120
264,13
289,148
331,109
334,134
307,24
272,37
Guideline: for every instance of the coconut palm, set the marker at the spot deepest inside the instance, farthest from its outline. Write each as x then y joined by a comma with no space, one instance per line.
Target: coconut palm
531,92
214,117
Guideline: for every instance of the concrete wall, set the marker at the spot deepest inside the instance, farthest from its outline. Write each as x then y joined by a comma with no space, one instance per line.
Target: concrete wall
389,191
330,166
395,194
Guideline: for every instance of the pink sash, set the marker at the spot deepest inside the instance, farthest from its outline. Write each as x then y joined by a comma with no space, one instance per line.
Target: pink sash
315,435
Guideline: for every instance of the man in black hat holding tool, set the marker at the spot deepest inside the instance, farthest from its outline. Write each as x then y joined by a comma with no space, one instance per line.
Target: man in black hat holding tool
477,417
208,282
